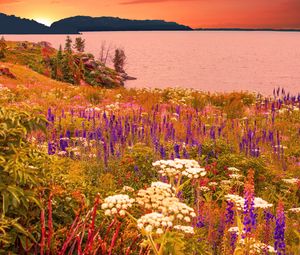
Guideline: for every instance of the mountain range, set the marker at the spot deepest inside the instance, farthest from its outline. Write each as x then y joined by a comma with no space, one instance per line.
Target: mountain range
74,25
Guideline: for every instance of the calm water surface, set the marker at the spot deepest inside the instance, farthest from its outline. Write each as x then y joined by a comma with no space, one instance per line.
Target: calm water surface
210,61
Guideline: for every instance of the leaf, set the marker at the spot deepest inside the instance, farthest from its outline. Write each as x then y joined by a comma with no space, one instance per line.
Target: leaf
5,202
23,231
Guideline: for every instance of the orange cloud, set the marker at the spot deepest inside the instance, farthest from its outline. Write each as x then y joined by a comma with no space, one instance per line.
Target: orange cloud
152,1
8,1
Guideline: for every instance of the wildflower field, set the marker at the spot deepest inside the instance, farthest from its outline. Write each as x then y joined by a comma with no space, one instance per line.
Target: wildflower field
88,170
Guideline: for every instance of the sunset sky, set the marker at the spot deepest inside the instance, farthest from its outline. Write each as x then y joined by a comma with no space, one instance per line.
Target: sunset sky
194,13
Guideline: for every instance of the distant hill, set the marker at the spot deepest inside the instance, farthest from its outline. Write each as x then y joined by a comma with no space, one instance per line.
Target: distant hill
74,25
86,23
16,25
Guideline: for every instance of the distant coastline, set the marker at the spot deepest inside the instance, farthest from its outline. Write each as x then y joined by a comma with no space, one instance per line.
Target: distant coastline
248,29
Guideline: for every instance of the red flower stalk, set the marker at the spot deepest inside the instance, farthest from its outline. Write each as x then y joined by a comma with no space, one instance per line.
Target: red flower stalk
91,229
50,223
42,243
113,241
129,249
74,227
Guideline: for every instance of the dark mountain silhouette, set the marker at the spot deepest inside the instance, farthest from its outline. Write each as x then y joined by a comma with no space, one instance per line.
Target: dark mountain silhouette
86,23
74,25
16,25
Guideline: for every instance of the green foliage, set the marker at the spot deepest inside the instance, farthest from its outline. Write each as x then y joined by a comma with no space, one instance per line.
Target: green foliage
21,170
68,45
137,167
79,44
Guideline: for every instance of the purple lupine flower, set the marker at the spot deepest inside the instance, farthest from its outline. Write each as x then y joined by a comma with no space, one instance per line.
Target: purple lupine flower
68,134
111,146
233,238
279,233
162,152
268,216
177,150
185,153
51,148
136,170
63,143
200,149
249,214
200,222
229,213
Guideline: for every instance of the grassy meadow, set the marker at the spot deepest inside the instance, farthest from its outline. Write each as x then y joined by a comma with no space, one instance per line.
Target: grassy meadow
94,170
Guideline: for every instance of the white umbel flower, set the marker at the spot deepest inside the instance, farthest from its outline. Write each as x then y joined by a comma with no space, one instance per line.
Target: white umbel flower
185,229
291,180
117,204
240,201
154,222
295,210
173,168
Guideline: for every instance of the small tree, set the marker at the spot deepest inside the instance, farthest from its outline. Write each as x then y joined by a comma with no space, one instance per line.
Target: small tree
68,45
3,47
105,53
56,65
79,44
119,60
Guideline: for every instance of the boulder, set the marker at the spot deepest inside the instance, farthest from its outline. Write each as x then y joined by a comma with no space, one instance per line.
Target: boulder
44,44
6,72
126,77
90,65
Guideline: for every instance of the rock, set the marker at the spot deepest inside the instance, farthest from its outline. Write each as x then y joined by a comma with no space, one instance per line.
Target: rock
91,65
6,72
130,78
44,44
126,77
85,59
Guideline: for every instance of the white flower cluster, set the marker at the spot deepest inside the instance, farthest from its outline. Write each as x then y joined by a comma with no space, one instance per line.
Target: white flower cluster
236,176
161,199
117,204
257,247
113,107
3,88
234,230
260,203
173,168
295,210
240,201
185,229
127,189
161,185
233,169
179,210
153,197
291,180
154,222
204,188
194,173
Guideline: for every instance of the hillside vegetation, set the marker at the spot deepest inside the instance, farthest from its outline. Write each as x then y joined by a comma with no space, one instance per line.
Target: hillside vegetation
68,64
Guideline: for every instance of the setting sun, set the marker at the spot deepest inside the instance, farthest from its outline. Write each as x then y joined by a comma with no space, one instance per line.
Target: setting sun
45,21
